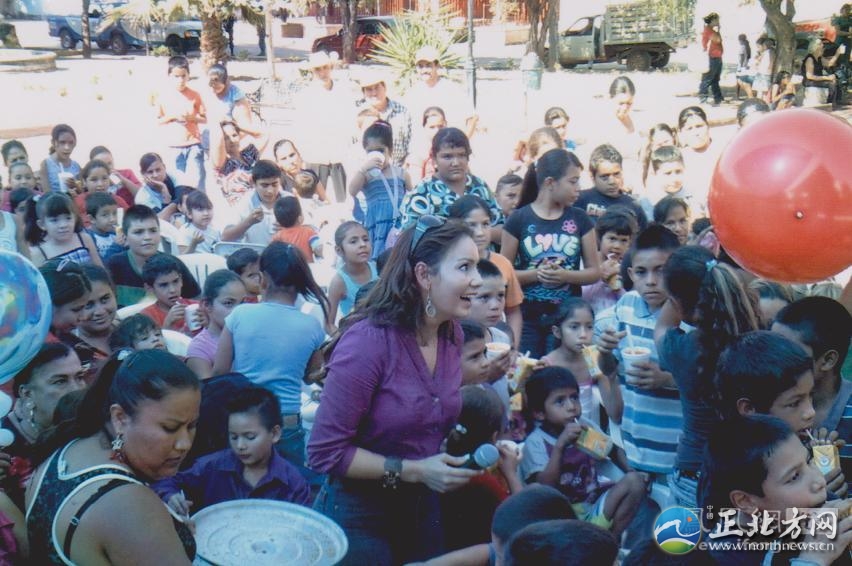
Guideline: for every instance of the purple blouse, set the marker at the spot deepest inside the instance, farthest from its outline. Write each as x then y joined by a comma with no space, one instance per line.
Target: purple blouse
380,396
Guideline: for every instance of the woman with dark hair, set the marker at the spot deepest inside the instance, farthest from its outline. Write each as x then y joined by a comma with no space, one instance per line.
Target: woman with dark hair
711,43
88,502
91,337
700,155
452,179
69,292
379,427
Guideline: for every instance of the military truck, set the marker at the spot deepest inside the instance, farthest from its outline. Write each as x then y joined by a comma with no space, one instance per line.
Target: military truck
636,34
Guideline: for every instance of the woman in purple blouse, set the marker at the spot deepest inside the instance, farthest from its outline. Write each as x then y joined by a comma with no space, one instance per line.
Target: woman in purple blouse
391,396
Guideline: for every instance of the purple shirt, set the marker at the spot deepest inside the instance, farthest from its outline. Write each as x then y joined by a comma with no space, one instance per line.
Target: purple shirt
218,477
380,396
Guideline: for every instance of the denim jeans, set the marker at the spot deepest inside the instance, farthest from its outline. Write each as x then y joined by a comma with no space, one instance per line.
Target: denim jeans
189,161
710,80
384,526
684,490
291,445
536,335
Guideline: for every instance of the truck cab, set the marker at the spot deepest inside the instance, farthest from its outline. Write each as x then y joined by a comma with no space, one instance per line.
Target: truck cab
581,42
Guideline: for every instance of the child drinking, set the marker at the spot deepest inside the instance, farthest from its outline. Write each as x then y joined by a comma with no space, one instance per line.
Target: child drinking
673,213
467,512
573,327
250,469
545,239
58,172
383,183
223,291
552,458
248,345
137,332
758,464
352,244
288,214
102,211
614,230
163,279
123,182
476,214
255,223
197,235
54,230
245,262
709,296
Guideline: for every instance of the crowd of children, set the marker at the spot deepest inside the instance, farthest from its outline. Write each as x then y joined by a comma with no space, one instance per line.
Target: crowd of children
615,356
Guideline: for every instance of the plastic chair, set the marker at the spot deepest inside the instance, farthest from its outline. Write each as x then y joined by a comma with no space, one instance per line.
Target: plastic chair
169,238
203,264
225,249
323,274
176,343
130,310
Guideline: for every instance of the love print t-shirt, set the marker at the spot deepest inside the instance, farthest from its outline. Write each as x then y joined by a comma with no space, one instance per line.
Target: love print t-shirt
557,242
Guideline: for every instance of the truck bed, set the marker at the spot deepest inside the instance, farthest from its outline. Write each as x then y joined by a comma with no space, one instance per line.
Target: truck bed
641,22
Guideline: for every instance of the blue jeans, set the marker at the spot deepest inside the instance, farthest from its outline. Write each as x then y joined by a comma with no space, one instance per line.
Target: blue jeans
536,335
189,160
684,490
384,527
291,445
710,80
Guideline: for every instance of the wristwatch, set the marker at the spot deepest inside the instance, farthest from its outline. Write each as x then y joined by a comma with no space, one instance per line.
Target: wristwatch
393,473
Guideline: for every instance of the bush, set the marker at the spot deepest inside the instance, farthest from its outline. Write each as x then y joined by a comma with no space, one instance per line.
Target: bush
412,31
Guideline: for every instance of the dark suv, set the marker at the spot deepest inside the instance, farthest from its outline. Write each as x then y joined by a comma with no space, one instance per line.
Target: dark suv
369,32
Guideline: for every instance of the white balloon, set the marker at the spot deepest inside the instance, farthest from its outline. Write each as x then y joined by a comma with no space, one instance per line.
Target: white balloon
5,404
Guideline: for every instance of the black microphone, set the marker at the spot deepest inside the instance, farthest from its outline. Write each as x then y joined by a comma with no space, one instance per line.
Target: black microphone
482,458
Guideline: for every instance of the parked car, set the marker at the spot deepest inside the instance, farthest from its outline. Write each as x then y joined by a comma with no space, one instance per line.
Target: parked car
180,36
369,32
631,33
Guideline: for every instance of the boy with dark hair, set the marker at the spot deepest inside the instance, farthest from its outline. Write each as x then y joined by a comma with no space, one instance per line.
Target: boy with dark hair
162,277
615,230
245,262
103,214
288,214
256,223
766,373
137,332
823,326
179,113
608,190
197,235
563,542
508,193
551,456
250,469
651,421
141,229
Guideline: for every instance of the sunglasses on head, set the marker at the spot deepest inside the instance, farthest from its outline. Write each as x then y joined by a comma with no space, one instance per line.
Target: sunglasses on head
424,224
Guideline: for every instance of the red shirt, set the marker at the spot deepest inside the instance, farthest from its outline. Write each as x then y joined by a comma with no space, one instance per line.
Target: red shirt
303,237
713,48
159,315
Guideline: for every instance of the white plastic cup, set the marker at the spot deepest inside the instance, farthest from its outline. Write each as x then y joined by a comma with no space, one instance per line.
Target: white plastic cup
633,355
191,317
494,350
63,180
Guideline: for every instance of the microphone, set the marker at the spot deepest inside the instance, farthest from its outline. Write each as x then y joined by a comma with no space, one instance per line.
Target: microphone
482,458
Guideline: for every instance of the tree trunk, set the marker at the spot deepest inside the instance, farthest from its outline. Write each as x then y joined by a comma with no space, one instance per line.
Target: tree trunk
781,22
350,29
270,44
553,33
214,45
85,32
536,12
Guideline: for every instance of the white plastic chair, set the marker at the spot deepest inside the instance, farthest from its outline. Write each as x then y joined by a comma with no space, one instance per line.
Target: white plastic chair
203,264
176,343
130,310
169,238
225,249
323,274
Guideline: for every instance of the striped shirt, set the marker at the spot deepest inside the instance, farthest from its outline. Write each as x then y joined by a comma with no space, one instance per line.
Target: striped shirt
839,418
653,419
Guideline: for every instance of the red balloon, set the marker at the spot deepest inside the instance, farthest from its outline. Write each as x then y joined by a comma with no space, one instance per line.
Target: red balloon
781,196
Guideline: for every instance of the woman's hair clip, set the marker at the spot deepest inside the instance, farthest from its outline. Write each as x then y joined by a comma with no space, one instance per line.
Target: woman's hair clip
711,263
460,428
123,354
